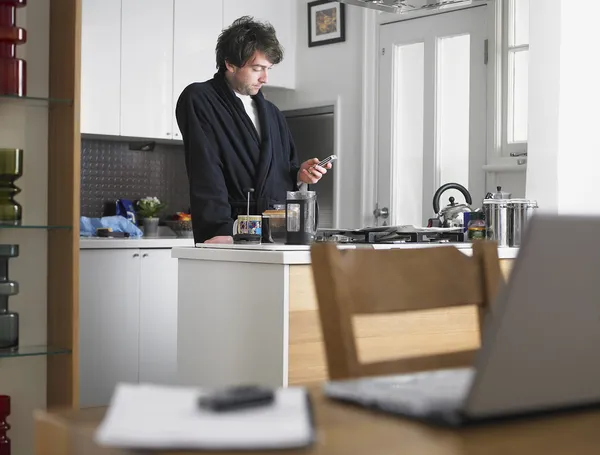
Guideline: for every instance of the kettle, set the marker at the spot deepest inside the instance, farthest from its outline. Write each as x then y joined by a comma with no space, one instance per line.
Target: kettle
452,215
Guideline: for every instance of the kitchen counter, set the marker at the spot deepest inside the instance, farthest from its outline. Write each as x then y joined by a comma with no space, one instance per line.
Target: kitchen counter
148,242
299,254
249,314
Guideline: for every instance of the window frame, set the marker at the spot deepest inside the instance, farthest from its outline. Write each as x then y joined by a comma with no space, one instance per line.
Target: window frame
509,149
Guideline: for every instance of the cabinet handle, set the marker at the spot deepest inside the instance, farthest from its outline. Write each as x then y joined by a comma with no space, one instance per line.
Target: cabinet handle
168,134
135,255
145,255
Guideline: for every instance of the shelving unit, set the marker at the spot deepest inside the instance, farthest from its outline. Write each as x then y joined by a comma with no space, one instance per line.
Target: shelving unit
28,351
64,151
34,100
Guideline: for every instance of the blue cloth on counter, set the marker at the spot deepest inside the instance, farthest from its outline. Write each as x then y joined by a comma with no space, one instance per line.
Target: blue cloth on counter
88,226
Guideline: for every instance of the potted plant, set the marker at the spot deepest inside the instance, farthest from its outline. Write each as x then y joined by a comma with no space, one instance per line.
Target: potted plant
148,209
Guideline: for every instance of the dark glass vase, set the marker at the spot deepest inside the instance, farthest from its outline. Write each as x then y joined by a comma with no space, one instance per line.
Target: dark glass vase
13,70
11,168
4,426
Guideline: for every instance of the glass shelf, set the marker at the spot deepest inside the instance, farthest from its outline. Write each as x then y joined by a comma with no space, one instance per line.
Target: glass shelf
33,100
32,226
28,351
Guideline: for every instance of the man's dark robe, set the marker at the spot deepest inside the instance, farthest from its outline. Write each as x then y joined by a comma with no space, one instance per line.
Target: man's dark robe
225,156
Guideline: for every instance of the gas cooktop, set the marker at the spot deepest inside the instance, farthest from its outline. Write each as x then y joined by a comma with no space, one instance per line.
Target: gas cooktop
391,234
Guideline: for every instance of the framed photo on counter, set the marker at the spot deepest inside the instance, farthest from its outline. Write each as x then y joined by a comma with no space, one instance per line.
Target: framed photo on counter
326,22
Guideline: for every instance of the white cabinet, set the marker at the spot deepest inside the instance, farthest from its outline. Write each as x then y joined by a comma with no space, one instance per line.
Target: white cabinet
282,15
127,320
139,55
147,68
101,66
158,317
197,27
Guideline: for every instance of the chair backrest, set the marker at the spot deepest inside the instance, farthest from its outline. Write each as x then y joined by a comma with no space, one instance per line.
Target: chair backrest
367,281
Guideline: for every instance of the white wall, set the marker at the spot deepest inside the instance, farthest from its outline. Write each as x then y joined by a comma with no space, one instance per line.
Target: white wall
21,126
326,75
564,163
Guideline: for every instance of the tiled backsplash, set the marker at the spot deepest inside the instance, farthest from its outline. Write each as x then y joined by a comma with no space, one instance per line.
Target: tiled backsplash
109,171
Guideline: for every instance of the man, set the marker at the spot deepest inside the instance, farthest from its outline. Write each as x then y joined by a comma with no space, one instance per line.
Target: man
235,139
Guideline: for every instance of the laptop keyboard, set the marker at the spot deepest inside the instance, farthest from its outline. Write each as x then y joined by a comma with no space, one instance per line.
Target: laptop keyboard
437,393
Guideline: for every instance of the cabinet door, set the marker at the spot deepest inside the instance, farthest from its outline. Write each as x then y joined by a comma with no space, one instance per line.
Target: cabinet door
108,322
100,66
197,27
282,15
158,317
147,69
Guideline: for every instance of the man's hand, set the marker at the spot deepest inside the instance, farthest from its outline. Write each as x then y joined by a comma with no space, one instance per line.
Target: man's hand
311,173
220,239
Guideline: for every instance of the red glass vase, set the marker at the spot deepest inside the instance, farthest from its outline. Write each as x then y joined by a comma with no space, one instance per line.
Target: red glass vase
4,426
13,70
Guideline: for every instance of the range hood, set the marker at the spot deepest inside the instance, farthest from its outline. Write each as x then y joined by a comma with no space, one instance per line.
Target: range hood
408,6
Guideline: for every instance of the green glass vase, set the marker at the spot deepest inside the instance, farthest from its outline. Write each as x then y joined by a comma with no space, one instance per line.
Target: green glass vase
11,168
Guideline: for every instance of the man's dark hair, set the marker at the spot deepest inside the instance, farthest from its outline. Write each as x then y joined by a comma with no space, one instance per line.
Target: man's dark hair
238,42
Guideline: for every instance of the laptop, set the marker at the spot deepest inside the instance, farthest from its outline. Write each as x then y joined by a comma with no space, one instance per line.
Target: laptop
540,348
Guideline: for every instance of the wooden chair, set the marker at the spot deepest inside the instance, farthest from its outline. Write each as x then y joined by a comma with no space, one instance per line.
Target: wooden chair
367,281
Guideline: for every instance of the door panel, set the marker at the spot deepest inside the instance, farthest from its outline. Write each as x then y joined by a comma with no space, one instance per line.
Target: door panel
197,27
147,69
432,112
108,322
158,316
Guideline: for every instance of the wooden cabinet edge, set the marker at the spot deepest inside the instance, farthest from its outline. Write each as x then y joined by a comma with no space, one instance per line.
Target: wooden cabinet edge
64,146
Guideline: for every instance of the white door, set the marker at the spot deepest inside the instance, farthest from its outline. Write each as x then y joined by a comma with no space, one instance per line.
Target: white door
100,66
432,112
197,27
109,287
282,15
147,69
158,317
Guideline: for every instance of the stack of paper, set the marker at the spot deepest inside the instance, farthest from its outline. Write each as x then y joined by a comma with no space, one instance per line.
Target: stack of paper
160,417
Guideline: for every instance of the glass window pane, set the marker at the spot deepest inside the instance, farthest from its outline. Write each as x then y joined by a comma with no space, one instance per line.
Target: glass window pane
519,92
407,139
519,17
453,107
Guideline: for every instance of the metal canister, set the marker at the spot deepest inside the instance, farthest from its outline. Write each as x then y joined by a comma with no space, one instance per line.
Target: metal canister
521,210
497,220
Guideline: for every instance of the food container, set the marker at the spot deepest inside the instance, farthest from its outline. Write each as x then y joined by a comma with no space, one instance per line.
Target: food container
506,219
497,220
182,228
273,226
521,210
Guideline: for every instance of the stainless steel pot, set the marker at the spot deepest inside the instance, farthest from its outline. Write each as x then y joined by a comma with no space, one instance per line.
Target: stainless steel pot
521,211
497,220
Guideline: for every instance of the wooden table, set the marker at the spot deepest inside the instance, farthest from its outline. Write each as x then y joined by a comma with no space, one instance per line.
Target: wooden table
348,430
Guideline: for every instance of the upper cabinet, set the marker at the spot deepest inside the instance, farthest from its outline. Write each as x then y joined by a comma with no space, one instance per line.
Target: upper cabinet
147,68
282,15
139,55
101,67
194,50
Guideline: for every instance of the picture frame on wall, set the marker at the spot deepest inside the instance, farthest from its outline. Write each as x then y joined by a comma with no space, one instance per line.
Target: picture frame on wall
326,22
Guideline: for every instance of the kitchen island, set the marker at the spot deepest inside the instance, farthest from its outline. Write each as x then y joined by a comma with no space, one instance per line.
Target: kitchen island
248,314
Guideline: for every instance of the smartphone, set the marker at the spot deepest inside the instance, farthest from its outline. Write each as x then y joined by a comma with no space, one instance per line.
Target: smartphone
327,160
238,397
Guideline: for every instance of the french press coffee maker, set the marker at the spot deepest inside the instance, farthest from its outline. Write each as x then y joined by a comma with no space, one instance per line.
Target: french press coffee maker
301,217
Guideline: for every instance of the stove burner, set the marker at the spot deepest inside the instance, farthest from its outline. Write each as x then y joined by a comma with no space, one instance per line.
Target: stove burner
391,235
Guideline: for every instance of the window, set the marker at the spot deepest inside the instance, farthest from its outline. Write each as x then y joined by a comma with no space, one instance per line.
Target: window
515,75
